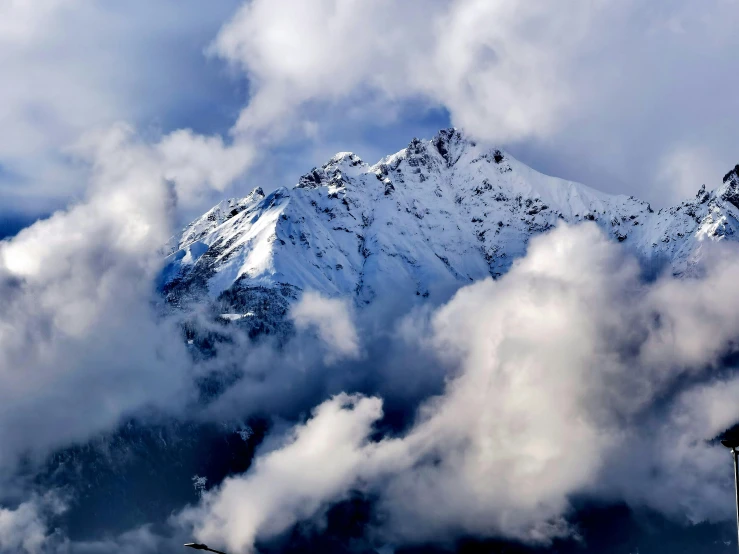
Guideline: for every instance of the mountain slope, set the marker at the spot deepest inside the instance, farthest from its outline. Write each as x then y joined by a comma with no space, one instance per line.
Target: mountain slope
420,223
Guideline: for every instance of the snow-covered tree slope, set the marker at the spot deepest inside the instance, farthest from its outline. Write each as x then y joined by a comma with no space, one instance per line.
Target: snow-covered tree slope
420,223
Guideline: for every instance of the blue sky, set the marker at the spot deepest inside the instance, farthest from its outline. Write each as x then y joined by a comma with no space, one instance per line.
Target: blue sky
625,98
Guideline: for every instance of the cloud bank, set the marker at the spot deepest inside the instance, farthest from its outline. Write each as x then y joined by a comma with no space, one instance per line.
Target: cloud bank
569,89
72,66
574,377
82,341
570,375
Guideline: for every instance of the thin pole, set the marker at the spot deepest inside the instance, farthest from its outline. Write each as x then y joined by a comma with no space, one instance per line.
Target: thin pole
735,455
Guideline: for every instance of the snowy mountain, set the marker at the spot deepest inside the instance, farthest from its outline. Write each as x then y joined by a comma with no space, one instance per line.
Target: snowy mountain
417,224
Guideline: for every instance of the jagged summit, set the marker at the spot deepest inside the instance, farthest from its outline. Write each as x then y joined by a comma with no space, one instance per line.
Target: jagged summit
729,191
419,223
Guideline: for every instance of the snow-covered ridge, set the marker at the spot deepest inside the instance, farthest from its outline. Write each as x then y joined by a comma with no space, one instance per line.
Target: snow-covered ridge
419,223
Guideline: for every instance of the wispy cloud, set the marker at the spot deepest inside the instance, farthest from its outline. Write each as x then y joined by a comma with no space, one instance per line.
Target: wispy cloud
332,319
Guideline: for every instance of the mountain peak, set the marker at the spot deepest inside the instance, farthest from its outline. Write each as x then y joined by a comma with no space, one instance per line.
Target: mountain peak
729,191
732,175
333,171
450,143
344,158
420,223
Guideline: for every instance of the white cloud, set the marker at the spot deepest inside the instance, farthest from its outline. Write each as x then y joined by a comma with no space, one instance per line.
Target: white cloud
568,372
81,342
332,319
491,63
22,21
570,86
195,161
137,541
71,66
683,170
24,528
317,465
